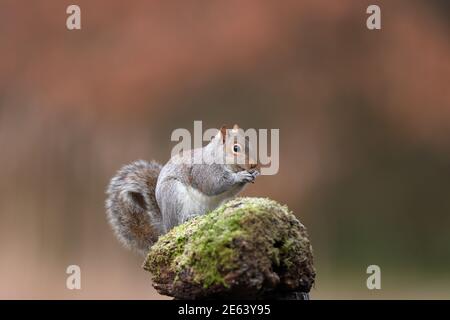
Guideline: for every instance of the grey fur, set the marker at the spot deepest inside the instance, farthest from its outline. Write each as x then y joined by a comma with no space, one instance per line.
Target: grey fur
131,206
145,201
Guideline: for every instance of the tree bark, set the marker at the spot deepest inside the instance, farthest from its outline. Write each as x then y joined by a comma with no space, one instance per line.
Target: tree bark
249,248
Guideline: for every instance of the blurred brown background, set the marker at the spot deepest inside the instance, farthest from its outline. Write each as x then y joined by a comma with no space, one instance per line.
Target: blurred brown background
364,119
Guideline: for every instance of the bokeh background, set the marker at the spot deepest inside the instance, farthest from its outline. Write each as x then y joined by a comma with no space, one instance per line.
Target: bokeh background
364,119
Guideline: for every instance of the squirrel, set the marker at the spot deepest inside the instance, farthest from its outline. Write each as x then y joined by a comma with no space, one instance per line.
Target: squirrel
146,200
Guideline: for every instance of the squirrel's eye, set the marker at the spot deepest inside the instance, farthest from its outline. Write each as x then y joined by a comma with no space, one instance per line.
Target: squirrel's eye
237,148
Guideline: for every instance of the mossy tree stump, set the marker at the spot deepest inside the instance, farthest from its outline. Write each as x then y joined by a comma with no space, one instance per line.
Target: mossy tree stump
249,248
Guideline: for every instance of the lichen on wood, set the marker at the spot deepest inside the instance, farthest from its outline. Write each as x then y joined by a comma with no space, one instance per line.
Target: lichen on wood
247,248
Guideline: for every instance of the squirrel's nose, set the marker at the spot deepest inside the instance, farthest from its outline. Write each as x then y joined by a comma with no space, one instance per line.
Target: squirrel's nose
253,165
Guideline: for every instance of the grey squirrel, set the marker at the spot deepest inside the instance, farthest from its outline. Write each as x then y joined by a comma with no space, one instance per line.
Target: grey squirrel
146,200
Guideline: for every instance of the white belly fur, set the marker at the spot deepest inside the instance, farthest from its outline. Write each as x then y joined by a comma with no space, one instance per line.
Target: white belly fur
201,203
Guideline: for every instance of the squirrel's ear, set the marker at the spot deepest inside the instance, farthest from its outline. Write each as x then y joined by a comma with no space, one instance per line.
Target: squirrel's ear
222,133
235,128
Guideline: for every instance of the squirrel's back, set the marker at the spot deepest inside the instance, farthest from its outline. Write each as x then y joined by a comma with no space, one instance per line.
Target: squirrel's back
131,206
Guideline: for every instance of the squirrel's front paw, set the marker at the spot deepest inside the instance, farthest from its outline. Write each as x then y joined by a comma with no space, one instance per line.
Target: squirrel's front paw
247,176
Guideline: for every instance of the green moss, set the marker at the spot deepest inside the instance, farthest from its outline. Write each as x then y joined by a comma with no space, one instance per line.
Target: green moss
244,238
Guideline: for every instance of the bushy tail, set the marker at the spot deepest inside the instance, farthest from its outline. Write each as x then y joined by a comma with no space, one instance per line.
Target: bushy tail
131,205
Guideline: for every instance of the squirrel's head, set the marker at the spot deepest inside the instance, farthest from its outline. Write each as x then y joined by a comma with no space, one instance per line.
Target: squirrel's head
239,150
